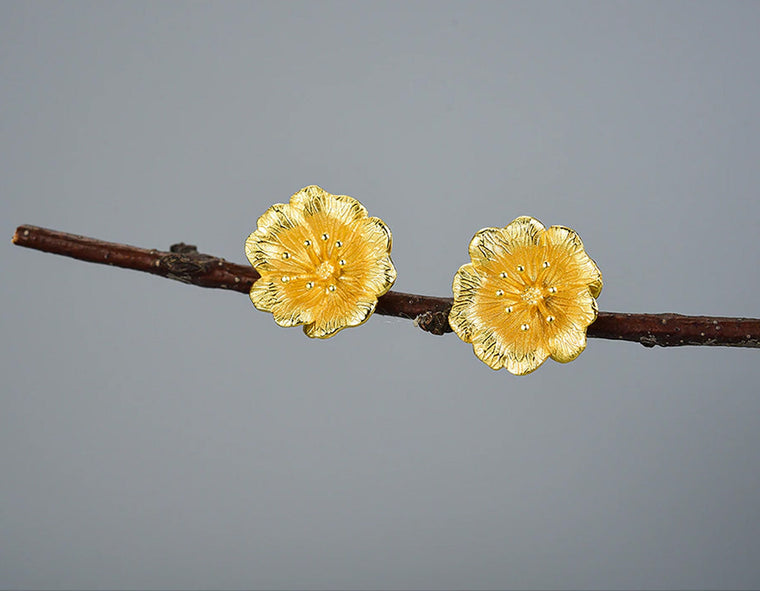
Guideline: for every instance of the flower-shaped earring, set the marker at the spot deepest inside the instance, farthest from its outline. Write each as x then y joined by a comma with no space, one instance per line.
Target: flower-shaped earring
323,262
528,294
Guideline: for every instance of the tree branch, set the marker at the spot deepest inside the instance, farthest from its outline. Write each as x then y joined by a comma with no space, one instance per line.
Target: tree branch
184,263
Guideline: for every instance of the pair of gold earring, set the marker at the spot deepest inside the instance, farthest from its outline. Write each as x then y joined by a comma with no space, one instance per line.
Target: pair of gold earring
529,293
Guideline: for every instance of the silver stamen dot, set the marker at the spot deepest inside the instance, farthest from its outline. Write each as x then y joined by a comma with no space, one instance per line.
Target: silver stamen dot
331,288
520,268
325,236
499,292
546,264
508,309
309,284
338,244
552,290
525,327
503,274
342,262
286,255
550,318
307,242
285,278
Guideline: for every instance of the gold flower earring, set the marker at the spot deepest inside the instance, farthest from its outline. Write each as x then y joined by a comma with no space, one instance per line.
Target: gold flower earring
528,294
323,262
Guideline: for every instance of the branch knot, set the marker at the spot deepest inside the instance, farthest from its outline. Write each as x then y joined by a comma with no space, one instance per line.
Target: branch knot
436,323
184,262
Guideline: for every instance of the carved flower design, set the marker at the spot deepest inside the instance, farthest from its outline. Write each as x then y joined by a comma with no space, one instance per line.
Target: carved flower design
323,262
528,294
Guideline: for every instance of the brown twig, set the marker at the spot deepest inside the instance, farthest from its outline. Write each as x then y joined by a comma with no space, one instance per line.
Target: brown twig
184,263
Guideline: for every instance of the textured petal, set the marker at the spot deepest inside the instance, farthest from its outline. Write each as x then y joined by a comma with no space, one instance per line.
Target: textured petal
270,295
287,315
281,253
577,309
498,353
326,328
523,231
319,331
561,235
314,200
376,232
277,245
566,246
489,350
264,294
280,216
380,277
568,345
508,247
594,286
521,365
253,251
486,245
465,286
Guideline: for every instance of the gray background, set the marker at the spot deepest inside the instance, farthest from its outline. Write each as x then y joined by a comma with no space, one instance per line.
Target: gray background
154,434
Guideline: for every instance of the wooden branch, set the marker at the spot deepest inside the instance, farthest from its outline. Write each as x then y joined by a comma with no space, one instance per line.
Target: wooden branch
184,263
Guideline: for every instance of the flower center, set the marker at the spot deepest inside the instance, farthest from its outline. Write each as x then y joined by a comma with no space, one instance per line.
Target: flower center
532,295
326,271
